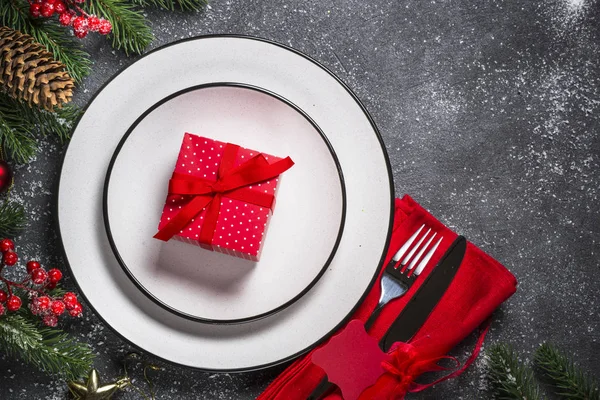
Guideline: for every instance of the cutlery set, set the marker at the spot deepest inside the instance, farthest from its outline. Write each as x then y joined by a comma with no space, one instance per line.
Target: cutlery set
398,277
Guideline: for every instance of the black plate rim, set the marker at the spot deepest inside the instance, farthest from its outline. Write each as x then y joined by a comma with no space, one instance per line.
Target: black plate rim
114,245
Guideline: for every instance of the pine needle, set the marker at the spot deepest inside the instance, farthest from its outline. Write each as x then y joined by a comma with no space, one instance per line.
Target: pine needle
49,349
184,5
19,124
568,380
511,380
12,219
57,39
130,31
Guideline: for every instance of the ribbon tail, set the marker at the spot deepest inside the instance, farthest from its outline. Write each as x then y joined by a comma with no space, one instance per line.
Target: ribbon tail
252,196
486,327
209,225
188,185
177,223
254,171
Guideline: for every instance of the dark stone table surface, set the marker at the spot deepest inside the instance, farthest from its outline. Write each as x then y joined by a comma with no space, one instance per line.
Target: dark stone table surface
490,113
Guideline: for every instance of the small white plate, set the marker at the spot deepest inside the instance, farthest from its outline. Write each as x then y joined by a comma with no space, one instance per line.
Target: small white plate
303,233
369,199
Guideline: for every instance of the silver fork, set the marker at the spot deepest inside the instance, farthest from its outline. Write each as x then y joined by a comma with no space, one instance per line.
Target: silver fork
404,268
399,275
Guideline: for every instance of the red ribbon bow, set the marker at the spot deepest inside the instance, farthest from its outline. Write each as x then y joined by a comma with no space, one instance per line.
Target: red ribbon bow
406,365
409,360
231,182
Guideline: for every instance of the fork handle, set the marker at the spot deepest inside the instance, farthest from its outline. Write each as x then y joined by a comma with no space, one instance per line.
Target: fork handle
374,314
324,387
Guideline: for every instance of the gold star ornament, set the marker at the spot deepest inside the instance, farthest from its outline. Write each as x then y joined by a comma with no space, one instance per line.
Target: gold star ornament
91,390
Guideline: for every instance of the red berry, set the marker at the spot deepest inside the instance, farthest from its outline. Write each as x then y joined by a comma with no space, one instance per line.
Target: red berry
54,275
50,320
53,2
65,18
76,310
32,266
60,7
80,24
13,303
3,296
2,309
105,27
6,245
39,276
47,9
40,305
70,299
43,302
81,34
93,23
50,285
35,10
10,258
57,307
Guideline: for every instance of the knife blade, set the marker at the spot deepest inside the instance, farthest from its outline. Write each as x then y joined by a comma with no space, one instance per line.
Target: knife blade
420,306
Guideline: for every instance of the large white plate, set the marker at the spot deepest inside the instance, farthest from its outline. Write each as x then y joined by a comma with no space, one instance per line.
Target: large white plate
302,234
369,195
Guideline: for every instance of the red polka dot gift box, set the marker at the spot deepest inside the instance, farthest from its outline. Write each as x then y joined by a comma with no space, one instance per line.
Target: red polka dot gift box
221,197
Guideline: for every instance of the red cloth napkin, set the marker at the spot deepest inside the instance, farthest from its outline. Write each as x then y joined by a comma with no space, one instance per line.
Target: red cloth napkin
479,287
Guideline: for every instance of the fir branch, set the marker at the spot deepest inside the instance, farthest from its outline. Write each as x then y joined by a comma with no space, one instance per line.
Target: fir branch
16,142
57,292
568,380
60,122
184,5
49,349
57,39
130,31
19,123
12,219
510,380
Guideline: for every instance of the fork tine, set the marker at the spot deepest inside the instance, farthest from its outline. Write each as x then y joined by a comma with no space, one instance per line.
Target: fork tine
414,249
407,244
426,259
420,253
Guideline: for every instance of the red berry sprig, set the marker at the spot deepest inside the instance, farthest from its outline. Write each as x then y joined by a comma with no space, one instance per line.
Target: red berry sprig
36,285
70,14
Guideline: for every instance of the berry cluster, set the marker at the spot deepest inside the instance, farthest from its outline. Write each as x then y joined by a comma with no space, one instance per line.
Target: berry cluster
70,14
36,285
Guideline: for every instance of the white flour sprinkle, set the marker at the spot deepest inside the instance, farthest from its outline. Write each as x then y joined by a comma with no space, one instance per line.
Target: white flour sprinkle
567,16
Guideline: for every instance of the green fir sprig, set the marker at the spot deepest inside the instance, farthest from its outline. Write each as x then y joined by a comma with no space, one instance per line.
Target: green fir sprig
130,30
57,39
172,5
509,378
49,349
12,219
567,379
19,125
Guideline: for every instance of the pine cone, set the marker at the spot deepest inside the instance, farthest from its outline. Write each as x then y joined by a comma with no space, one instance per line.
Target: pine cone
29,72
